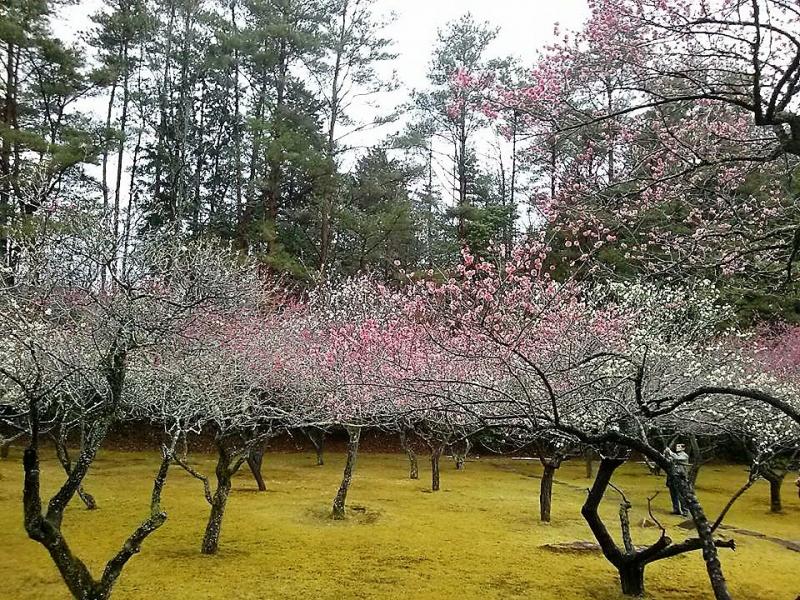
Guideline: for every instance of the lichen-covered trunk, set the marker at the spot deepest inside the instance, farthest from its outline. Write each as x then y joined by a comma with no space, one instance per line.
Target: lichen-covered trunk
255,460
353,435
413,472
218,502
436,454
589,466
546,492
214,526
706,535
66,463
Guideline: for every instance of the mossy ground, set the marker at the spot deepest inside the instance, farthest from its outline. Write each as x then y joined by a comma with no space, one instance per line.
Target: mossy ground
477,538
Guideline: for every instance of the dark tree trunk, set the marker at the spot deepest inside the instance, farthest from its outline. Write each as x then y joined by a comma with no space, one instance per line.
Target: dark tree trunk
435,456
631,562
775,484
631,576
704,532
254,460
317,437
630,565
546,491
66,462
413,472
353,434
220,499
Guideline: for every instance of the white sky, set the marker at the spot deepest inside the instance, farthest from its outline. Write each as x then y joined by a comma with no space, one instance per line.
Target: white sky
525,26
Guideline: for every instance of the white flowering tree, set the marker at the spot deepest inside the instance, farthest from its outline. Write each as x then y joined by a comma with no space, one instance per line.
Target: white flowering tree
72,320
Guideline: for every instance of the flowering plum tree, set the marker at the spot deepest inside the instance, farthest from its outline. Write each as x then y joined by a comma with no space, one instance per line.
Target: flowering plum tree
239,381
606,366
343,356
666,133
65,338
770,358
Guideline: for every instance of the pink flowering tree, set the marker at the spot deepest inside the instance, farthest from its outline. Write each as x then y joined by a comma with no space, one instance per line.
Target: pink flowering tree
344,354
665,140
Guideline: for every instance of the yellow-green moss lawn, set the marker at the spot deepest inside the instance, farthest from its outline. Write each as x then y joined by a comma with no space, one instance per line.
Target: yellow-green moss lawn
476,538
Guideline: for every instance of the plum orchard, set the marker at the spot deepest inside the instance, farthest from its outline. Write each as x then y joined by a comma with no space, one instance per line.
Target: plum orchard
194,341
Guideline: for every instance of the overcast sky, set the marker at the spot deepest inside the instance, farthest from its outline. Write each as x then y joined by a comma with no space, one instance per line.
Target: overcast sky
525,25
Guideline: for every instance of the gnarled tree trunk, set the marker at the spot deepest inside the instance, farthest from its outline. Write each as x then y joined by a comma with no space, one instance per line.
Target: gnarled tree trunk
317,437
436,454
45,527
62,453
354,435
413,472
255,459
630,562
775,481
704,532
219,500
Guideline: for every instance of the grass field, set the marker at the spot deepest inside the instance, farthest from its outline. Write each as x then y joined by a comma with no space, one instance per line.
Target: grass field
477,538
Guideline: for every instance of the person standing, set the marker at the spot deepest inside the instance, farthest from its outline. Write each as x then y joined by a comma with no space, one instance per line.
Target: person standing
680,466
